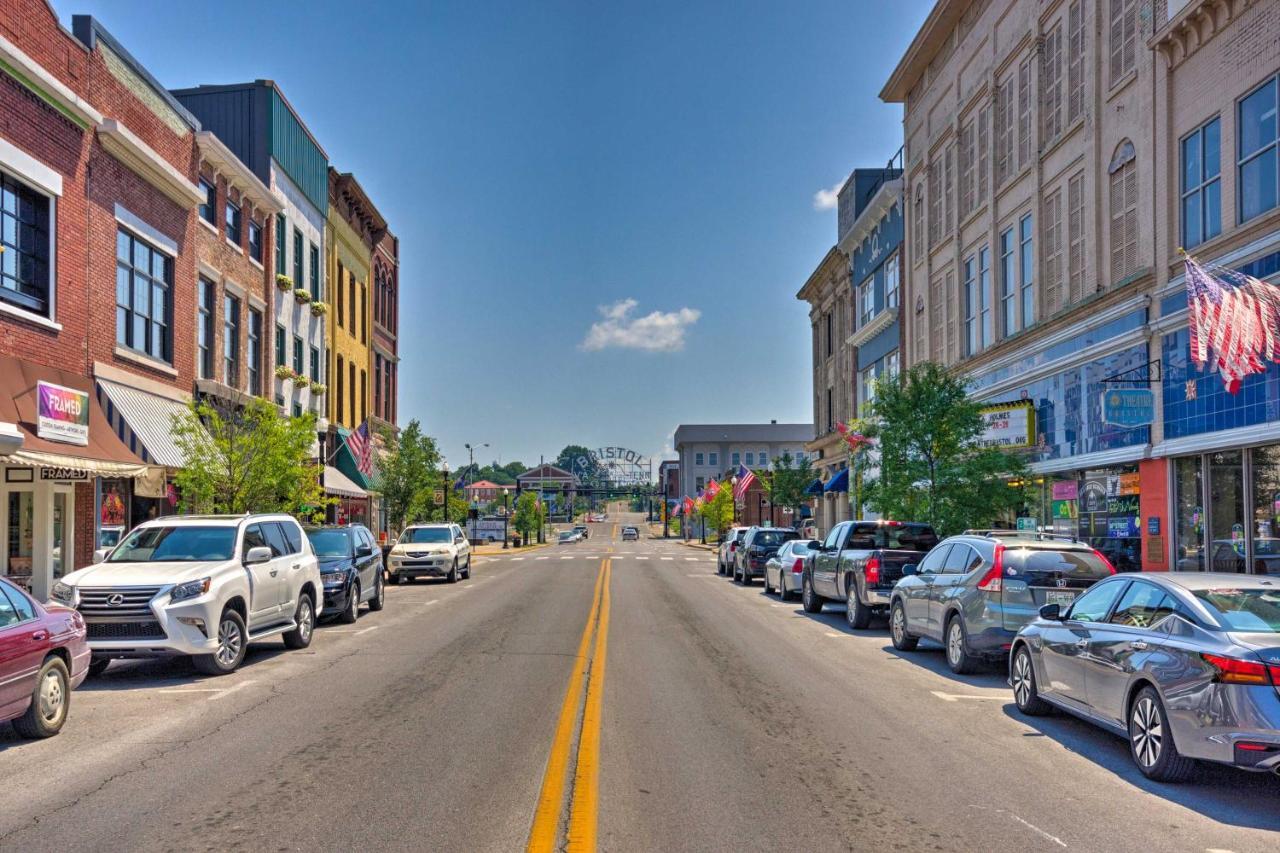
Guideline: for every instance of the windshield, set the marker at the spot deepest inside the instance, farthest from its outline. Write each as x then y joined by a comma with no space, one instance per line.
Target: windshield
773,538
892,536
1247,610
568,534
420,535
330,543
178,544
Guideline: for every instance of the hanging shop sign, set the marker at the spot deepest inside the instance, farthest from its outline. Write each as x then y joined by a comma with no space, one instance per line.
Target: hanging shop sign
1128,407
1009,425
62,414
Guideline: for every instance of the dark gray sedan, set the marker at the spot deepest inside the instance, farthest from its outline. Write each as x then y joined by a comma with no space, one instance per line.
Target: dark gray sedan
1185,665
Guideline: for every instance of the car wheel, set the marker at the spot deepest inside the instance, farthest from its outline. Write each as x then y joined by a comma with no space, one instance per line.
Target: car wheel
305,618
1022,677
352,611
858,615
50,701
811,601
468,574
1151,740
958,657
453,573
97,666
784,594
232,644
379,599
902,639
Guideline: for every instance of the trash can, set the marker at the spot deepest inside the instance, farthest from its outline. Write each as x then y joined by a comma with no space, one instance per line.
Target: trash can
515,541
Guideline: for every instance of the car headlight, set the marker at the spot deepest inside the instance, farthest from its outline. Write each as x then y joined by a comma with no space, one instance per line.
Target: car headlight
63,594
332,577
190,589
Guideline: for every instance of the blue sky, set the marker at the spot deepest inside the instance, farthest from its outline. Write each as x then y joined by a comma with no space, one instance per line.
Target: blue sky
554,166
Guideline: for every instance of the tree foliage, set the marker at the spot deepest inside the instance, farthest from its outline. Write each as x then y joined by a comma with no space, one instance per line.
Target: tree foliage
408,471
579,461
717,513
787,482
250,458
528,516
932,468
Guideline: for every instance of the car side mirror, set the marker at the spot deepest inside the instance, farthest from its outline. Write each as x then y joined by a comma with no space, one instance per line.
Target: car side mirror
814,544
257,555
910,569
1052,612
100,554
458,540
364,551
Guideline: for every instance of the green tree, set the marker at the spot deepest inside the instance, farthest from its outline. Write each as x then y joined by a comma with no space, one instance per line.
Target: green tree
717,513
787,482
250,458
932,467
577,460
408,471
528,516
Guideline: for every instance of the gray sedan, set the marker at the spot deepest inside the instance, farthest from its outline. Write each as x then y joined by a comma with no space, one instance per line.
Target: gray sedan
1185,665
784,569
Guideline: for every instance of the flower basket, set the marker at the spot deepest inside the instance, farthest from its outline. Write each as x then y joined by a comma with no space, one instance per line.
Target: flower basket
285,372
283,282
318,388
302,297
319,309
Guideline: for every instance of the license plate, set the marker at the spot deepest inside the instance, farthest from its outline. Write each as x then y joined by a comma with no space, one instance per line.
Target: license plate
1058,596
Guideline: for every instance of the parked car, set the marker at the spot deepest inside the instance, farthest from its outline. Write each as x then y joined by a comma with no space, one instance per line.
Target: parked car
630,533
350,569
784,570
430,550
859,562
199,585
758,545
1186,666
727,548
581,530
43,657
974,592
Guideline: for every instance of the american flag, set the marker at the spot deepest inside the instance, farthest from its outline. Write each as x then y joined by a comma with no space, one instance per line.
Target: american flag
1235,315
360,447
745,478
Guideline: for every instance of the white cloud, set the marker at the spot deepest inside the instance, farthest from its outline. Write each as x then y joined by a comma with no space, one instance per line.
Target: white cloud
828,199
659,331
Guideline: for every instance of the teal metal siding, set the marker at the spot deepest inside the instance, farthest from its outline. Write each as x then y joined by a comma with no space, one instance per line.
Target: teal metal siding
298,156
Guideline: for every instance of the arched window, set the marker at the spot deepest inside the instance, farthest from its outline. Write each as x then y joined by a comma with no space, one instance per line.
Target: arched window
1124,211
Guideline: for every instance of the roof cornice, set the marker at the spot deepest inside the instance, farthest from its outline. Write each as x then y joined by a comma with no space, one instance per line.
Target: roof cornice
833,262
214,151
123,144
44,85
935,29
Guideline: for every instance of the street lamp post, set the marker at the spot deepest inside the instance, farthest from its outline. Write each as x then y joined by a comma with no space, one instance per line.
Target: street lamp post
445,468
506,505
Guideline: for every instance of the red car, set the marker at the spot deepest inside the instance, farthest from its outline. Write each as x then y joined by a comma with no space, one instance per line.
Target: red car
43,657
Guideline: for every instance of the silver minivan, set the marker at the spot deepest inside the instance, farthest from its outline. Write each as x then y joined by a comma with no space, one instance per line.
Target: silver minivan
974,592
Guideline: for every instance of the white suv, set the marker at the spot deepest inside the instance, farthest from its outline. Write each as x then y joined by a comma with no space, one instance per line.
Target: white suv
202,585
430,550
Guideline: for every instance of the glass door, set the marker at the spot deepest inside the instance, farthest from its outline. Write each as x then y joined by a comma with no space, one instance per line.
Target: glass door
19,536
1265,476
63,554
1188,495
1227,547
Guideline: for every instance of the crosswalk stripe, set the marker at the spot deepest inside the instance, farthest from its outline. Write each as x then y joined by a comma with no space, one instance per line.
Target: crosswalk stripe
668,558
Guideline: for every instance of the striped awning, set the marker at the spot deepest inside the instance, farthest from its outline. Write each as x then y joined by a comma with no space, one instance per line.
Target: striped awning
143,421
337,483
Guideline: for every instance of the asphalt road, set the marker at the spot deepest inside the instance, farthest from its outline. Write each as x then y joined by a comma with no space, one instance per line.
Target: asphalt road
723,720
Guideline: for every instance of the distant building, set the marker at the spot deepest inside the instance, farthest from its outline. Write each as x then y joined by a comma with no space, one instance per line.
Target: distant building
484,491
709,451
556,486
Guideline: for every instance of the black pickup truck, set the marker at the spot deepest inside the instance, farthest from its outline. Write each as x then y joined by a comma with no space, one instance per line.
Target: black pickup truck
859,562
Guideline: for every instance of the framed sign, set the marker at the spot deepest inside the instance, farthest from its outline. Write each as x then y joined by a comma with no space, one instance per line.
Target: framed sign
1009,425
62,414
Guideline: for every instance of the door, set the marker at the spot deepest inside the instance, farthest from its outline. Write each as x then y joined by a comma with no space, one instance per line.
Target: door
286,539
950,585
464,547
17,522
23,645
827,562
916,588
367,565
64,525
265,579
1065,645
1125,643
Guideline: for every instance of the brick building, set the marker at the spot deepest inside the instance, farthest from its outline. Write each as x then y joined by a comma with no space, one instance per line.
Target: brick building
98,166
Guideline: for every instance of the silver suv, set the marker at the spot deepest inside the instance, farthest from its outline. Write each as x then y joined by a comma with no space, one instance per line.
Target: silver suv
974,592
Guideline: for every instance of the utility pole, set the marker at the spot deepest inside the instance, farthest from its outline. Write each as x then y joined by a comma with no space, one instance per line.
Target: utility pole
446,492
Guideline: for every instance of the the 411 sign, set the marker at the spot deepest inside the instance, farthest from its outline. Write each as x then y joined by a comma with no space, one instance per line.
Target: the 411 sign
618,466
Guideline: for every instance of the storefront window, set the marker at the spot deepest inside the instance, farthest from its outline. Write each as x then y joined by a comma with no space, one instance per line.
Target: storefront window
1190,514
1107,507
1226,511
20,530
1265,462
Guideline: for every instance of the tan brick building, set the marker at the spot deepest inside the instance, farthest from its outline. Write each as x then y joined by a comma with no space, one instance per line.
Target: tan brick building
1057,156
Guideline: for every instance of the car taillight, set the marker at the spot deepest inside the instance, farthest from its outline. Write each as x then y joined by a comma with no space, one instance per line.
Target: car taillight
1237,671
993,580
873,570
798,568
1105,561
733,546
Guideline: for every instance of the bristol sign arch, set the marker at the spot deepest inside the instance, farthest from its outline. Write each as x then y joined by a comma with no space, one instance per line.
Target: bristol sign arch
617,466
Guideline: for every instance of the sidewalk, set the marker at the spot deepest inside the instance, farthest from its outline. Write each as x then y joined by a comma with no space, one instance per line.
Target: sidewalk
489,550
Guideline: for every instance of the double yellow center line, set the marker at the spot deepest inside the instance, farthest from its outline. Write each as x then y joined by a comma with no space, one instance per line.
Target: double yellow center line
584,802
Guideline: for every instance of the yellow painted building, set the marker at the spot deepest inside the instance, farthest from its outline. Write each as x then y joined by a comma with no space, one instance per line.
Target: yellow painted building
352,228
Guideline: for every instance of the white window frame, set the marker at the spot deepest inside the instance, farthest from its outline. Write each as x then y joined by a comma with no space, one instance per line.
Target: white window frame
48,183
